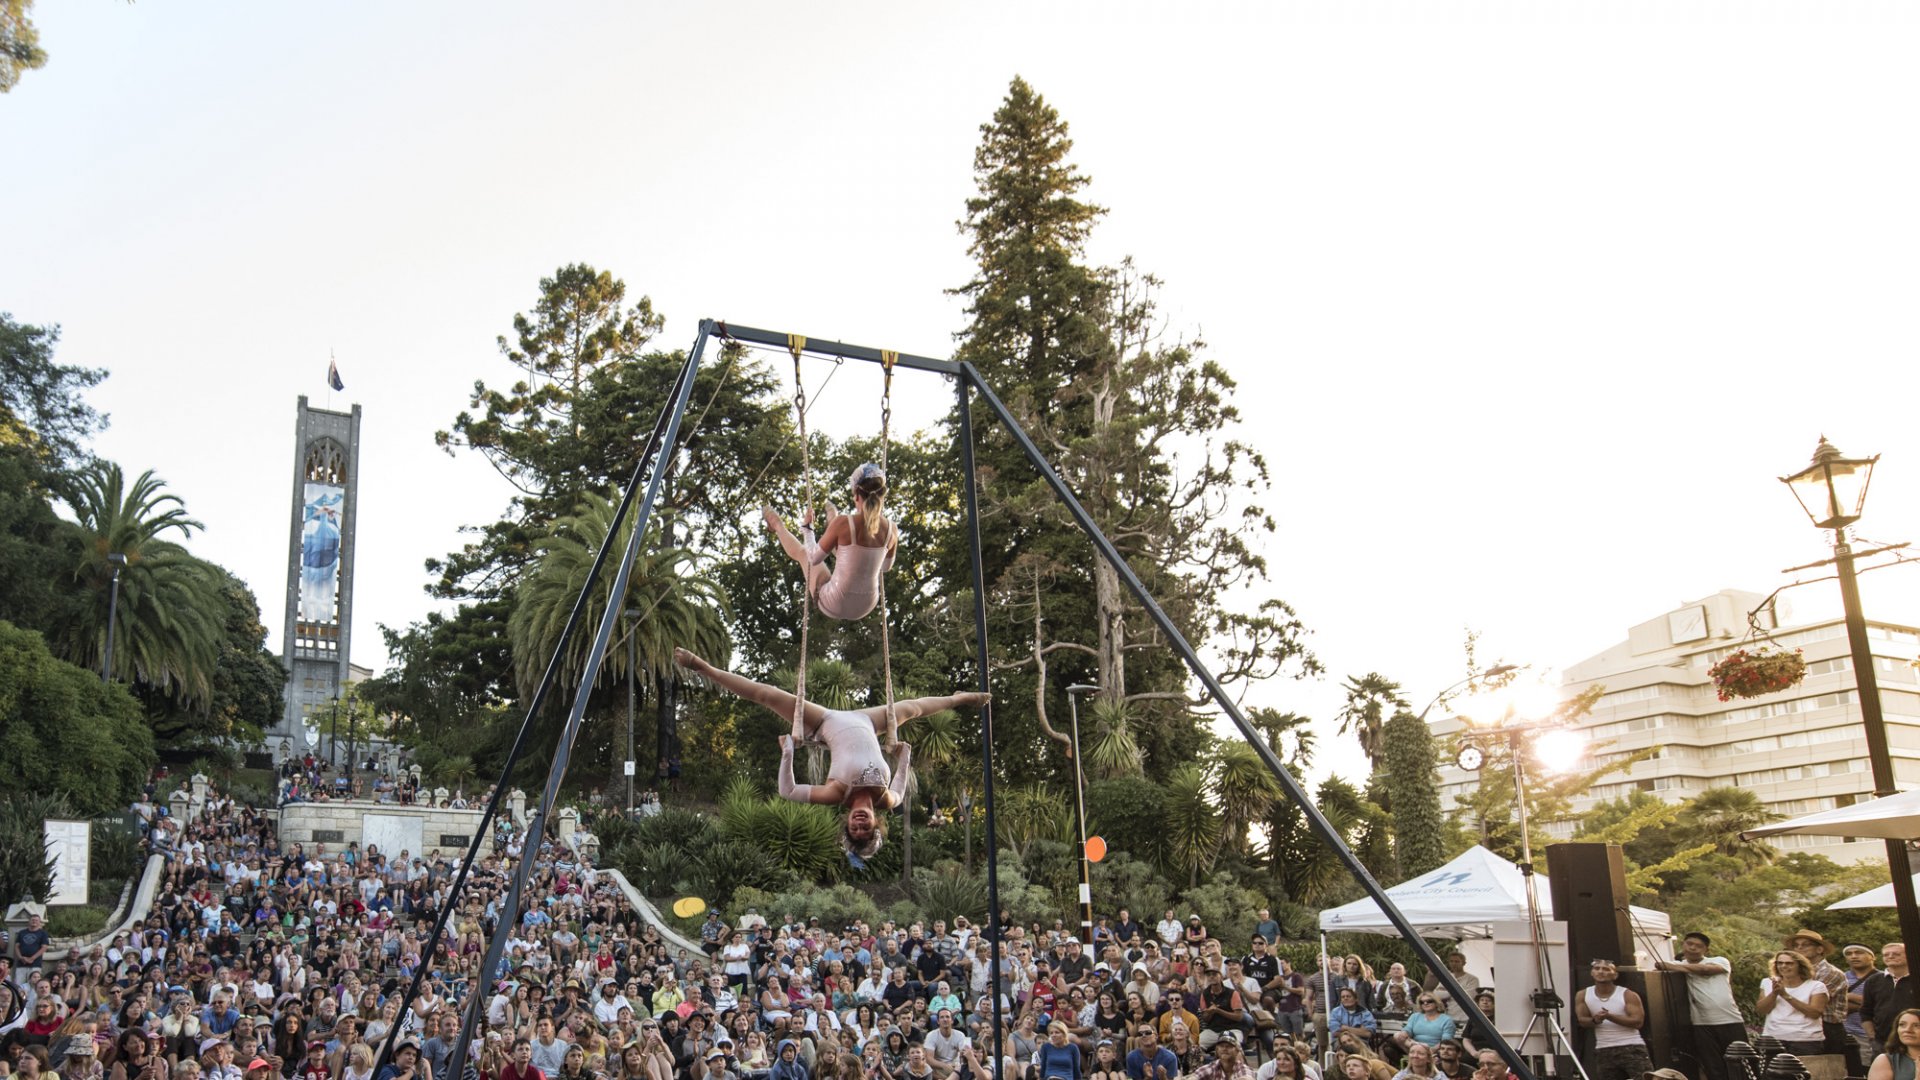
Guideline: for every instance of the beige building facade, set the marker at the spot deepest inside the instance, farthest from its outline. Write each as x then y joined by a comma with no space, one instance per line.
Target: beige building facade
1800,750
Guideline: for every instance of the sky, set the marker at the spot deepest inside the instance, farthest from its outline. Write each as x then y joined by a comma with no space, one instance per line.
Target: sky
1529,303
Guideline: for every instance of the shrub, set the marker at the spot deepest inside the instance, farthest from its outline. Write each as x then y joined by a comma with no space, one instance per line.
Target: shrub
26,865
1226,907
803,840
732,864
1130,814
654,869
62,729
948,891
837,906
1120,881
676,827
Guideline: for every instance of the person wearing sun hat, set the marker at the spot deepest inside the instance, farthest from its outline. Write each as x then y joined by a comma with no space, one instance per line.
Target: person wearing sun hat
1833,1025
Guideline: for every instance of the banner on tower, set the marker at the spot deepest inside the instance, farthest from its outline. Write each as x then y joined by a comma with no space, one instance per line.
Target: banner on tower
320,553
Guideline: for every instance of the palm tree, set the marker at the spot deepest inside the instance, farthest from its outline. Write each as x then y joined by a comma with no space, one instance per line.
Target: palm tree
678,606
171,616
1279,727
1193,822
1113,752
1247,792
1719,815
1369,699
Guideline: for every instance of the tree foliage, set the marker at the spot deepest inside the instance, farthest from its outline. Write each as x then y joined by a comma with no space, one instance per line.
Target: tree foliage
19,43
64,730
1413,794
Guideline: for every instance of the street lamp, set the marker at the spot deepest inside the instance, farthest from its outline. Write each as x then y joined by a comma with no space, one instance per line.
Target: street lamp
1074,694
118,561
1833,492
632,614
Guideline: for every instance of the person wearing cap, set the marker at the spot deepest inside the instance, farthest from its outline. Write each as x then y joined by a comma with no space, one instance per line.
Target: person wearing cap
314,1065
1228,1063
716,1066
1860,969
1615,1014
406,1063
1833,1023
1716,1020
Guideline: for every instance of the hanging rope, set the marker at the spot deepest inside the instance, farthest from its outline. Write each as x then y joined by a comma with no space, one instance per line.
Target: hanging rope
796,344
887,360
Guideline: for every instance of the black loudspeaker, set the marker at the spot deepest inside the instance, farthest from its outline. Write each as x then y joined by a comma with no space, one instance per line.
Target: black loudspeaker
1588,883
1589,889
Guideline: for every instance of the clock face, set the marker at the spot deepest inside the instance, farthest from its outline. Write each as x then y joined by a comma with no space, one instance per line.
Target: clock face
1687,624
1471,758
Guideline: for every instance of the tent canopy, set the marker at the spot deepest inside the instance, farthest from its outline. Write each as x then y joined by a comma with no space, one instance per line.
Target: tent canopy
1881,897
1896,817
1459,899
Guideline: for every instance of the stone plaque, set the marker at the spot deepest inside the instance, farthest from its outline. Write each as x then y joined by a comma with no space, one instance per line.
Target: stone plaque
329,836
455,840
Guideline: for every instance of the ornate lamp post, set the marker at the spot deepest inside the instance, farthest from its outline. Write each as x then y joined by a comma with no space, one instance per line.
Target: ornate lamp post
1833,492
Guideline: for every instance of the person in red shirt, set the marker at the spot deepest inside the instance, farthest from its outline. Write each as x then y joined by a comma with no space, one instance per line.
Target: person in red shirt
521,1067
315,1065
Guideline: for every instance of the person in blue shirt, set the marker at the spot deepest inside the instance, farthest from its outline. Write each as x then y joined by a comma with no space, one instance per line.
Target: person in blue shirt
1057,1059
1430,1025
1351,1012
1149,1060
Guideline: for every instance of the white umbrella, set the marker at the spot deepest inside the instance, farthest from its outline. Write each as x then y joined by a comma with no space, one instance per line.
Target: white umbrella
1896,817
1872,898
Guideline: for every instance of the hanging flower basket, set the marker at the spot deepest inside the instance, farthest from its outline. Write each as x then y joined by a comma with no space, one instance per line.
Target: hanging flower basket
1750,674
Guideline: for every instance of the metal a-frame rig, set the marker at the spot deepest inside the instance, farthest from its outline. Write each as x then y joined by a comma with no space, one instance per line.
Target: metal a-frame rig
649,473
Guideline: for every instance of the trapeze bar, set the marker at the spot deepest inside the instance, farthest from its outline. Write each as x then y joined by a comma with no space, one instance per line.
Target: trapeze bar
822,347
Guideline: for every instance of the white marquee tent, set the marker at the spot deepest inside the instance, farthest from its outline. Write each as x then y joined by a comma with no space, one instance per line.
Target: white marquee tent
1461,899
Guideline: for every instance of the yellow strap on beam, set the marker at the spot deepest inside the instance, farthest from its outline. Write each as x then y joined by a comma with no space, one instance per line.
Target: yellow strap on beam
796,344
888,358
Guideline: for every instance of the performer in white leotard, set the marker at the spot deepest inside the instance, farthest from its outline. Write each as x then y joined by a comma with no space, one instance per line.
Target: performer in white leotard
866,542
859,776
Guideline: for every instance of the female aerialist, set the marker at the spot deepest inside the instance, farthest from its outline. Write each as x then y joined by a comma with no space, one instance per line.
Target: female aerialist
865,539
859,776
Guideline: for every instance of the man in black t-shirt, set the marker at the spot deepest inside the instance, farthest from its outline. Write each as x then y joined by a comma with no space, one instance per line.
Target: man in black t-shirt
1262,966
1074,966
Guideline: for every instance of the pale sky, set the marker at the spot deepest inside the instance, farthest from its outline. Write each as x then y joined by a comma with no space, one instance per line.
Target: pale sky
1529,302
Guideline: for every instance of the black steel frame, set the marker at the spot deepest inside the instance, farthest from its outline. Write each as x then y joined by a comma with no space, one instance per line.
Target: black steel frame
967,381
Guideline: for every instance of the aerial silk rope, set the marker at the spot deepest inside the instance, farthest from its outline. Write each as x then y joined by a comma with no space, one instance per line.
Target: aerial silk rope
887,360
796,344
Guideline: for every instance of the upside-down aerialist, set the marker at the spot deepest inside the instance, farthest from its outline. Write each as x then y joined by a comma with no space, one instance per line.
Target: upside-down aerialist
866,542
859,776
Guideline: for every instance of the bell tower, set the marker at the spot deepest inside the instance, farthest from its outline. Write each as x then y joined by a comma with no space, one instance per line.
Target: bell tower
319,618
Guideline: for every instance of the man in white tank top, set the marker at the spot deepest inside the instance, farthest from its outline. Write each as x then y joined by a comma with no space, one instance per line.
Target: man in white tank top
1615,1014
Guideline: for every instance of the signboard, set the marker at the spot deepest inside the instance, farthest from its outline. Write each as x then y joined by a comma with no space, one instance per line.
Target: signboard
320,553
71,845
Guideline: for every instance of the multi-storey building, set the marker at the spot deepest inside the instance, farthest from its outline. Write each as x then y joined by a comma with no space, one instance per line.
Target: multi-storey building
1800,750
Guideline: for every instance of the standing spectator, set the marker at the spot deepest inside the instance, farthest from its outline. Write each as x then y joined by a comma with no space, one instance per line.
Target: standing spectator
1717,1022
1833,1025
1792,1003
1884,997
1457,967
1170,929
30,945
1859,960
1615,1014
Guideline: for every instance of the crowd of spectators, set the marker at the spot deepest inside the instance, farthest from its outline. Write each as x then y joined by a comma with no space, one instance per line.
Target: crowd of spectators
269,961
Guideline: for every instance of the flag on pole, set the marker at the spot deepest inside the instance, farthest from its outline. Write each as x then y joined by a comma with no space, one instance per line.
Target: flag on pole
333,376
